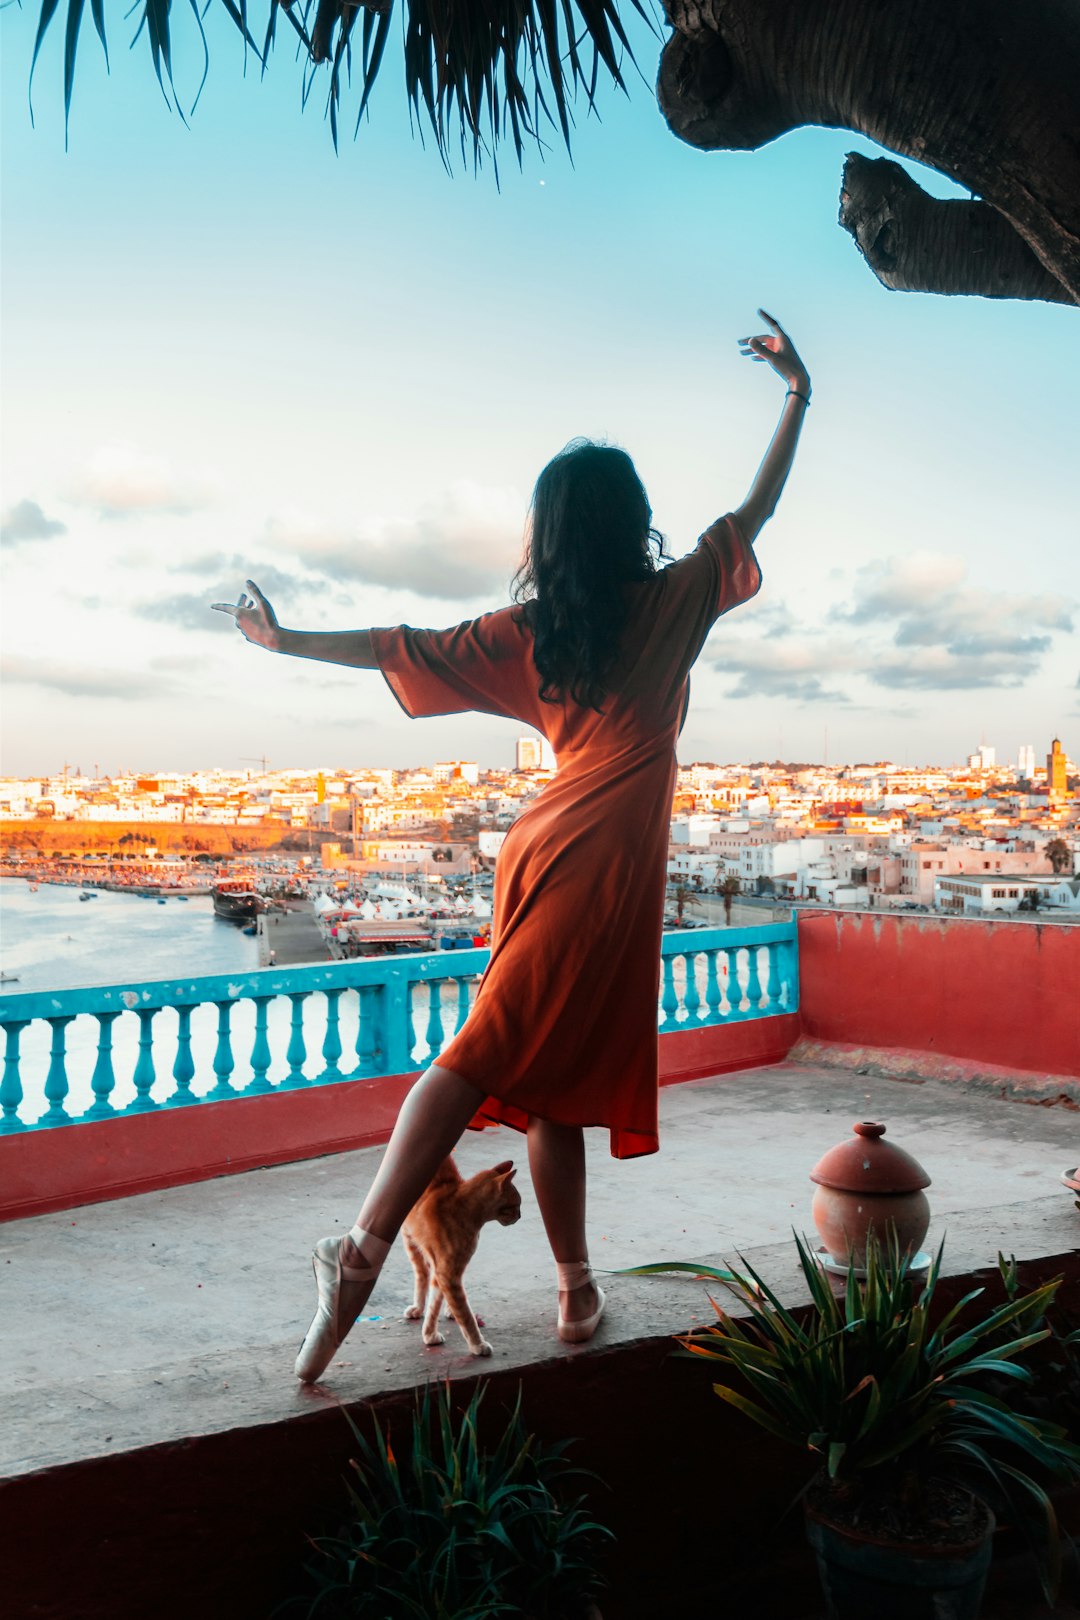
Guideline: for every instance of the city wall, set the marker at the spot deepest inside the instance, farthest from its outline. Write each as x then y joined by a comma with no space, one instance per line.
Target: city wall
48,837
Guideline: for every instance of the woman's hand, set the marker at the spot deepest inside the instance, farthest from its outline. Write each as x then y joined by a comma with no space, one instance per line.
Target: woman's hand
778,351
255,618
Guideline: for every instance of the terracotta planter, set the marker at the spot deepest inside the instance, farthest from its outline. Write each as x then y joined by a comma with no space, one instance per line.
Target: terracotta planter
866,1183
867,1579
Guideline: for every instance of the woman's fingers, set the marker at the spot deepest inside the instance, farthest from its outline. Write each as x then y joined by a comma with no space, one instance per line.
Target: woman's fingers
260,599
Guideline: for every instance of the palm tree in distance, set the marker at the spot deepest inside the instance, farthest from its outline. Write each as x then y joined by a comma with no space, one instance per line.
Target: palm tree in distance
1059,855
922,79
729,888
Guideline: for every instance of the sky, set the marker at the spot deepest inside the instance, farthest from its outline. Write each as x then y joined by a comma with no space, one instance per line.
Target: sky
228,352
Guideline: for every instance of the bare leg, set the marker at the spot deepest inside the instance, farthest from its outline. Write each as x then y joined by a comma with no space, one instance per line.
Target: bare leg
432,1118
557,1166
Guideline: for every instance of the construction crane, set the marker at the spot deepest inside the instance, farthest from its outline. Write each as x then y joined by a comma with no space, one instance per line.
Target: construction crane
257,759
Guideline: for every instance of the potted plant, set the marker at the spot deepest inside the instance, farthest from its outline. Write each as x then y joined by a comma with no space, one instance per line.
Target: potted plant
444,1529
916,1447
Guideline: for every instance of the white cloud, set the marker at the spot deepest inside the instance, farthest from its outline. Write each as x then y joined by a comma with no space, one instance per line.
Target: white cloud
466,545
121,479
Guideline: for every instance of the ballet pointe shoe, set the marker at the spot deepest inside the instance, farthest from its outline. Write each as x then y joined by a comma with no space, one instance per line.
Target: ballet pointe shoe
575,1274
324,1337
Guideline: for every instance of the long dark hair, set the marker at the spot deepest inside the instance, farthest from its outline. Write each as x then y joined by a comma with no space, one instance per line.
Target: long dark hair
590,533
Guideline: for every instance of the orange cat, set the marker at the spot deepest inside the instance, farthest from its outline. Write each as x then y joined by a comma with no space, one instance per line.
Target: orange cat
441,1233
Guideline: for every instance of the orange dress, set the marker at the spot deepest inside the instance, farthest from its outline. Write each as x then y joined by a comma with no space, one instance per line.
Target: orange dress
564,1022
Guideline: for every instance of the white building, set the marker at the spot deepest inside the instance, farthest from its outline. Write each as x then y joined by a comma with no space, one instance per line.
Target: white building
977,893
457,770
1025,761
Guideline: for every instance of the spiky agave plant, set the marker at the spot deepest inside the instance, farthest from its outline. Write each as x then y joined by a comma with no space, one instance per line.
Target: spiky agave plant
444,1529
888,1400
488,70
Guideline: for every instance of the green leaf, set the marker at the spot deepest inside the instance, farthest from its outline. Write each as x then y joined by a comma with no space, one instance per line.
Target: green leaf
764,1419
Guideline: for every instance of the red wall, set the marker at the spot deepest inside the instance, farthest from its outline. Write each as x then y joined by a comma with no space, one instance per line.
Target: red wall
113,1158
1004,993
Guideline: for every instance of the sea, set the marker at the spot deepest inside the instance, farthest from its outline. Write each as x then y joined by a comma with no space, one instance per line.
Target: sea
52,940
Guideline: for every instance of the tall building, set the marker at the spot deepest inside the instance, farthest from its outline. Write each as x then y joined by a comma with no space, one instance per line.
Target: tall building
1025,762
1056,771
535,754
983,759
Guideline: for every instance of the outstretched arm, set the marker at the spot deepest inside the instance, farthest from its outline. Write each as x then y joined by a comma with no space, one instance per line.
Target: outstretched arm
257,622
778,351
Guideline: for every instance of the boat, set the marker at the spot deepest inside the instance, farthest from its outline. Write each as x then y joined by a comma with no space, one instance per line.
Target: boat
235,900
9,978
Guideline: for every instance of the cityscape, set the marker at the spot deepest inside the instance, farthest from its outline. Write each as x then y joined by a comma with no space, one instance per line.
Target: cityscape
984,837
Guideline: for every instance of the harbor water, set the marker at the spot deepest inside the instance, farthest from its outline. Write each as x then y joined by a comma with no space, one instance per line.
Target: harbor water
52,940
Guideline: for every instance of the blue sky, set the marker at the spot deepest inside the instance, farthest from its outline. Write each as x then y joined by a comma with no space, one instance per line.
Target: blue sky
229,351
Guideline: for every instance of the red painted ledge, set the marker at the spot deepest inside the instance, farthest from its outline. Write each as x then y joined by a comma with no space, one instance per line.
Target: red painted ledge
90,1163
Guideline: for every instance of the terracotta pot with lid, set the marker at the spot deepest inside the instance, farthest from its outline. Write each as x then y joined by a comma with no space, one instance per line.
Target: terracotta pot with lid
867,1182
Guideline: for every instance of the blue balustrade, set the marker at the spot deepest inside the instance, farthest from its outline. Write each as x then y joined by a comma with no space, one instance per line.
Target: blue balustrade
101,1053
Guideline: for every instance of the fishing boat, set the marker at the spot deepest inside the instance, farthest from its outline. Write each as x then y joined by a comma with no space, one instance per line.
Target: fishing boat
235,900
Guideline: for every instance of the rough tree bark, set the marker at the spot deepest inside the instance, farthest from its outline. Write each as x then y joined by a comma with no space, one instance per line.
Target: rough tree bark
984,91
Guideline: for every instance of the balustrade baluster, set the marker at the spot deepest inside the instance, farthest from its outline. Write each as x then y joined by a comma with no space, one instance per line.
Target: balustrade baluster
434,1035
11,1091
753,982
772,979
713,995
669,1001
260,1047
183,1069
734,988
331,1046
369,1051
144,1075
462,1003
691,994
103,1079
224,1060
56,1081
296,1052
410,1024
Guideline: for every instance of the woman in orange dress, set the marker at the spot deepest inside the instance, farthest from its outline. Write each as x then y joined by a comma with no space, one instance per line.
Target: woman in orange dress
595,656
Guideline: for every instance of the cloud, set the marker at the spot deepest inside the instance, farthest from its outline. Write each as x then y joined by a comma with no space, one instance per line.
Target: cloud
961,636
26,521
120,480
78,680
783,668
903,585
466,546
946,669
224,578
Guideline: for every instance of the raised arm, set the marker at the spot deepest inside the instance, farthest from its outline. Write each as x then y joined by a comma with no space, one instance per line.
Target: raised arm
257,622
778,351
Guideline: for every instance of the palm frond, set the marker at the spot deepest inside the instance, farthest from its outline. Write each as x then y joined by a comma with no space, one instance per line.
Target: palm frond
478,73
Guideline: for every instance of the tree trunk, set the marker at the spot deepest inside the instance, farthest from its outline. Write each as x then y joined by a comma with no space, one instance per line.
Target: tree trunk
985,91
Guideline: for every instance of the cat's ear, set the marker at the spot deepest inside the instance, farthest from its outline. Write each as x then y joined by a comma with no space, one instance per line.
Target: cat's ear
501,1169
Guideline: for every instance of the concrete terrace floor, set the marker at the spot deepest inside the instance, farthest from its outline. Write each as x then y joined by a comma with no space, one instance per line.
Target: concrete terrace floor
175,1313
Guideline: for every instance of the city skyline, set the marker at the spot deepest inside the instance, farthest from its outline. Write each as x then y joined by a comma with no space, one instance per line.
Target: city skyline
340,376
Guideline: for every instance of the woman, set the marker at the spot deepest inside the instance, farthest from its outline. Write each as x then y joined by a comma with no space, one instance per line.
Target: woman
596,656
